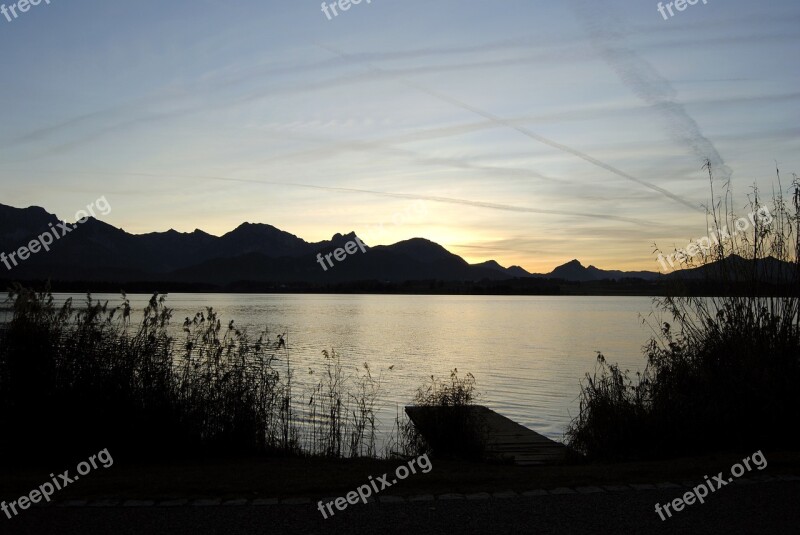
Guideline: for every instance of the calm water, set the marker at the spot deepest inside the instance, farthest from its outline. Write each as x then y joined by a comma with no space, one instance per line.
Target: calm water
528,354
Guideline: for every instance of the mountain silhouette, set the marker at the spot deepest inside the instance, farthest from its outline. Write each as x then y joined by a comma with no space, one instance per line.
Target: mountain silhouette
97,251
255,252
575,271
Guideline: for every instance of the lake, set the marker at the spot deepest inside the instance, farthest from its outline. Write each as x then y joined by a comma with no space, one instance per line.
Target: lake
527,353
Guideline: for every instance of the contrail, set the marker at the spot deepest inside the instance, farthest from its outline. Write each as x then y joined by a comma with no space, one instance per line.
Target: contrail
335,147
412,196
645,81
386,145
541,139
561,147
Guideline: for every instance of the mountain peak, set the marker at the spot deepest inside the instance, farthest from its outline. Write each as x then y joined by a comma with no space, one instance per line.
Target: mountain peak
425,250
491,264
518,271
247,225
573,264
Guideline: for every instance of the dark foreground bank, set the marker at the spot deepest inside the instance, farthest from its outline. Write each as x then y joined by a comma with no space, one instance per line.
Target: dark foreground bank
768,508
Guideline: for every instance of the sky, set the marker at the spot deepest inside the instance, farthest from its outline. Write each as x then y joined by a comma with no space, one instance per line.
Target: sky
523,131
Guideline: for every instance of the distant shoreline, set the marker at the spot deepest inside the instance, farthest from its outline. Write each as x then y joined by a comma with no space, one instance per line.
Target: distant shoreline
513,287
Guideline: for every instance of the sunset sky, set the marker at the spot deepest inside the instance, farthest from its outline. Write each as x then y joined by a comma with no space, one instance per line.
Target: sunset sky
537,132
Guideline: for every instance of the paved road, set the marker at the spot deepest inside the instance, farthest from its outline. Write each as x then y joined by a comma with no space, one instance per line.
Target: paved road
768,508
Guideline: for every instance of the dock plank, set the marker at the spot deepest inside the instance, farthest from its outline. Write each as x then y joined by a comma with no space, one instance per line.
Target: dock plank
503,437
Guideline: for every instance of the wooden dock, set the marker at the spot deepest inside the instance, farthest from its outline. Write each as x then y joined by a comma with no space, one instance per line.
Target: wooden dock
503,438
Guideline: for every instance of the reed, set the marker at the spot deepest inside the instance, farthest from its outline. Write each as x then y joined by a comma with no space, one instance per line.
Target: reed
74,377
450,427
722,369
341,406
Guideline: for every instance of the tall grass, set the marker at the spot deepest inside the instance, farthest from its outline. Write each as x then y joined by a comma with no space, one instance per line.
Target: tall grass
722,371
446,419
75,377
454,391
342,411
405,441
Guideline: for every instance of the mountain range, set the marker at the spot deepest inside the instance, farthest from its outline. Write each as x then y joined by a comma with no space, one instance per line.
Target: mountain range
253,252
